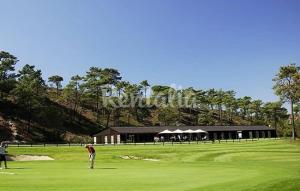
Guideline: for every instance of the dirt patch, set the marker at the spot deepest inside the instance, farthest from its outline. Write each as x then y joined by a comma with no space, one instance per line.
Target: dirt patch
29,158
126,157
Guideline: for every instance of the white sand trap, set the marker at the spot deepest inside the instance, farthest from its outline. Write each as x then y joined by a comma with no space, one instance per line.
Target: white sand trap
29,158
153,160
9,173
126,157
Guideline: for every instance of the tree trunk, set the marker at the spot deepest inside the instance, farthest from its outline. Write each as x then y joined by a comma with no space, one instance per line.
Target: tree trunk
230,115
179,115
97,106
275,121
75,105
29,116
275,124
108,118
57,91
80,115
117,116
128,116
220,115
136,113
293,121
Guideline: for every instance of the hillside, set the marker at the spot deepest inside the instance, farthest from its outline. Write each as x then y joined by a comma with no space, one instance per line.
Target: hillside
60,126
52,126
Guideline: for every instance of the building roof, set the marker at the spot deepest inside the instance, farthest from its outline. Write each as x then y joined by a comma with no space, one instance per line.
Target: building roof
157,129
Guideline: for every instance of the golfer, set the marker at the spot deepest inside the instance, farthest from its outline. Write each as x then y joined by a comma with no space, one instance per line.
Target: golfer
2,155
92,155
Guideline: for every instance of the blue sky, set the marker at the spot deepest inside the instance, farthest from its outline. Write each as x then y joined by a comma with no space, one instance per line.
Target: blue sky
228,44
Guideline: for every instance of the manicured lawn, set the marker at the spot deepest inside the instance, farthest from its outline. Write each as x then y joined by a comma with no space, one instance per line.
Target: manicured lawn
261,165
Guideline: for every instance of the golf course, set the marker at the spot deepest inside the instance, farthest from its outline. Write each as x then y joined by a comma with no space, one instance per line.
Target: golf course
258,165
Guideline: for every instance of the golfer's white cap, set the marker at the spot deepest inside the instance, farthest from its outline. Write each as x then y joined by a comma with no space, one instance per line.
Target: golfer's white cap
88,145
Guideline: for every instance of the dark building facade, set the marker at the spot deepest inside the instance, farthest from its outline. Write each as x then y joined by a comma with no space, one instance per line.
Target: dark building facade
117,135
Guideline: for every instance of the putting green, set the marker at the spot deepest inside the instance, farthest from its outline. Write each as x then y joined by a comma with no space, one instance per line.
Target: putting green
259,165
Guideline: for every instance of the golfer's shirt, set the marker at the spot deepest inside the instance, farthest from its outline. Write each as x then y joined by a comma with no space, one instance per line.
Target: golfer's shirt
91,150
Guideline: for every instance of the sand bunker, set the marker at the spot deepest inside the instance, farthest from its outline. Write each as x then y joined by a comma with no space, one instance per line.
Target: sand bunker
126,157
29,158
153,160
9,173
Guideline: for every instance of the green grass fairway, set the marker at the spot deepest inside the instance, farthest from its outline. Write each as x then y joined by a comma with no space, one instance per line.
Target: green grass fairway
259,165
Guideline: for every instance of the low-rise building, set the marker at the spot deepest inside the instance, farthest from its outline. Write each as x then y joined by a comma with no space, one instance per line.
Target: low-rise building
117,135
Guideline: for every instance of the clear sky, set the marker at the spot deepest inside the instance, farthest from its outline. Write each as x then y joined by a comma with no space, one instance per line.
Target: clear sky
228,44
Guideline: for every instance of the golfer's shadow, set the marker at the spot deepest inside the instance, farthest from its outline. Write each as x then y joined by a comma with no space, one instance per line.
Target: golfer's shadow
108,168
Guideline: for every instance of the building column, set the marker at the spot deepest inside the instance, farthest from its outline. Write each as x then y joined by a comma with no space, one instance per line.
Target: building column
118,139
239,134
105,140
112,139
